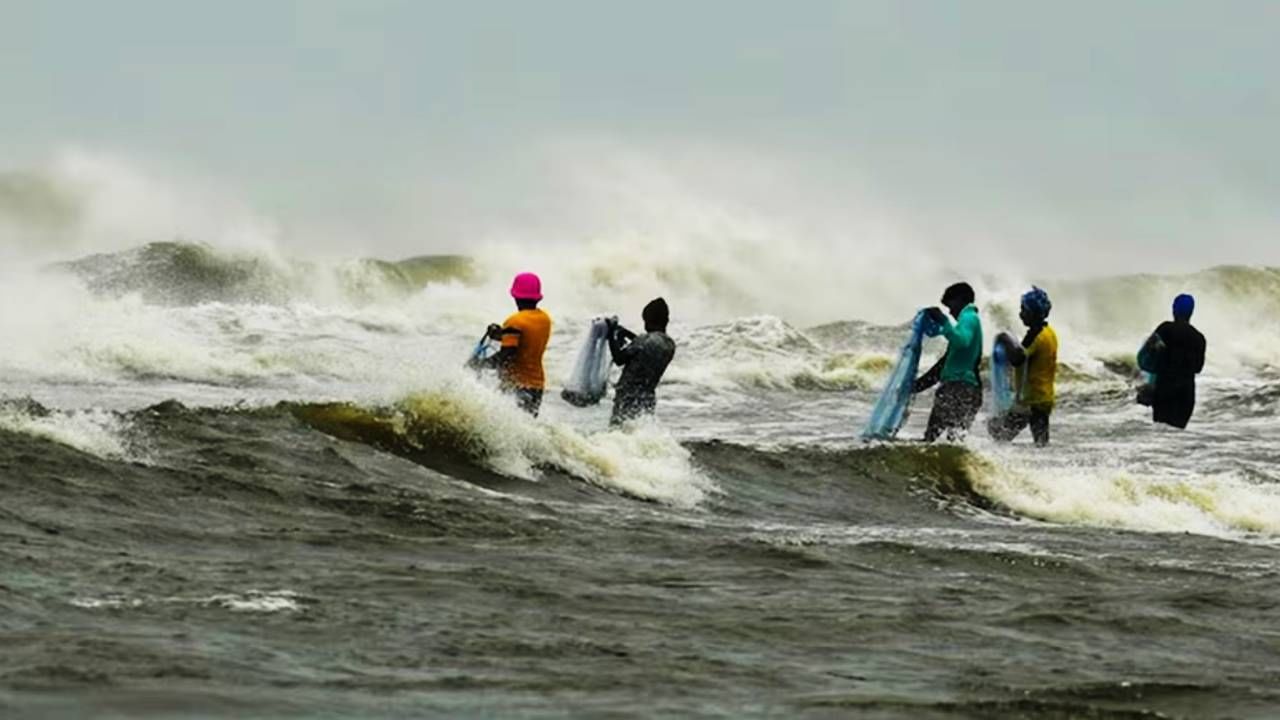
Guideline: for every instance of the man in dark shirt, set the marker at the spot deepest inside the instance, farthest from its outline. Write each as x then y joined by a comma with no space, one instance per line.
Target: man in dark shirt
644,359
1179,357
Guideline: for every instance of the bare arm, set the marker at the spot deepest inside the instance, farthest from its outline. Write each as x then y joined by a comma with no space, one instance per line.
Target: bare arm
1012,350
931,377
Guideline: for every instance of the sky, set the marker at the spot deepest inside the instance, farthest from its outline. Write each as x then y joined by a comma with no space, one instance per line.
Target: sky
1089,136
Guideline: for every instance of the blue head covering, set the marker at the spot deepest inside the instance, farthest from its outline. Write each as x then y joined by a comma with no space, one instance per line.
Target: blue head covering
1183,306
1036,302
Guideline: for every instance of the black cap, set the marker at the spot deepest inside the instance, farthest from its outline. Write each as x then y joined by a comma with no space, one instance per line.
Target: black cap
961,292
656,313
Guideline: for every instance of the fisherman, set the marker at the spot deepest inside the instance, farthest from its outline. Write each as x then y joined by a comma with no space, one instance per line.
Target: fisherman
1176,355
960,395
523,339
1036,366
643,359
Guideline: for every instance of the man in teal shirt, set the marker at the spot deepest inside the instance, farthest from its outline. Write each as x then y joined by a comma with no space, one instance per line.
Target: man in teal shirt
960,395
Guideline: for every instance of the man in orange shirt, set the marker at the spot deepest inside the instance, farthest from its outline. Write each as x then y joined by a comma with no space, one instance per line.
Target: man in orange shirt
524,338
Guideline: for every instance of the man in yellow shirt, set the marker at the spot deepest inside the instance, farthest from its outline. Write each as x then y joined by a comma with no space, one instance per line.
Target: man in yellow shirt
524,338
1036,366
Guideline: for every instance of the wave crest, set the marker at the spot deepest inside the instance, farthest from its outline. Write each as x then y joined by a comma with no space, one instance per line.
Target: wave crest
462,429
185,273
1222,504
97,432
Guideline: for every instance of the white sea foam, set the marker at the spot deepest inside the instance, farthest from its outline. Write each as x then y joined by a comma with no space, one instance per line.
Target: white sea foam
968,538
251,601
94,201
643,460
255,601
109,602
97,432
735,277
740,281
1222,504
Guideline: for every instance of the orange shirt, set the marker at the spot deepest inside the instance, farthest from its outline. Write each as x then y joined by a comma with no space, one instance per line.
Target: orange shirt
528,332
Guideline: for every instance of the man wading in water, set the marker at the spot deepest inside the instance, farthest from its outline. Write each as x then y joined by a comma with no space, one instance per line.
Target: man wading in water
644,359
524,338
1036,360
958,398
1175,355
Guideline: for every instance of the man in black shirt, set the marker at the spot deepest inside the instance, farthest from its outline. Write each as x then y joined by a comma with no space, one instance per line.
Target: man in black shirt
644,359
1177,358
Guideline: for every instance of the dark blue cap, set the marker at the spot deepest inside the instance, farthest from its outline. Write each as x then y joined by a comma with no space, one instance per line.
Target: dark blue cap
1037,303
1183,306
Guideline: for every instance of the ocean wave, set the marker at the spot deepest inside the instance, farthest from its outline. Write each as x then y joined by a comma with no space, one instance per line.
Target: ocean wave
765,352
1002,486
1255,401
192,313
836,373
187,273
98,432
1220,504
878,477
712,256
1102,321
475,426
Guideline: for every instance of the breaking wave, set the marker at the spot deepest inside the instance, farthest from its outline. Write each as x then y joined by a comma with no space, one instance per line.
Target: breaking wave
1223,504
1004,486
101,433
451,429
181,273
469,432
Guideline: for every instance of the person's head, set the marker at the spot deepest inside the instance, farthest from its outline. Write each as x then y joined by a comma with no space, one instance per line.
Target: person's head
1183,306
656,315
1035,307
526,289
957,298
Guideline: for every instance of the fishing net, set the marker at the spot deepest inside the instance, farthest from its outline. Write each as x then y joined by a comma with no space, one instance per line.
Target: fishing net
588,382
1003,395
894,406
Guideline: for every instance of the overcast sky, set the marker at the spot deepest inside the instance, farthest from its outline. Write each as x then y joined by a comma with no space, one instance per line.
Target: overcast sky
1132,128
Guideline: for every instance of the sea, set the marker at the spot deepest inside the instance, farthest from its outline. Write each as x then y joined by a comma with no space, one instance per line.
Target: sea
242,484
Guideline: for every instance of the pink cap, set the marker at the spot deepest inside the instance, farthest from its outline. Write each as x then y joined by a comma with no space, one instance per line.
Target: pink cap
526,286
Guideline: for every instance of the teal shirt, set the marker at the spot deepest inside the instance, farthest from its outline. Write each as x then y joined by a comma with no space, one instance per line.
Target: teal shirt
964,347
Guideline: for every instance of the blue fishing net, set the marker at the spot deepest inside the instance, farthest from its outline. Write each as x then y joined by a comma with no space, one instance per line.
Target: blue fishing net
483,350
894,406
1148,357
590,378
1149,354
1003,395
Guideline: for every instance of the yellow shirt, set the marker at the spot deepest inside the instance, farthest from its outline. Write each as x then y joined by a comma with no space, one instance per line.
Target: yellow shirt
528,332
1035,378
